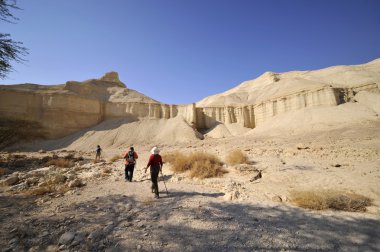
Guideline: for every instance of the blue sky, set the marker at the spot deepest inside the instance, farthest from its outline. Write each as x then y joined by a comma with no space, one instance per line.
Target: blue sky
180,51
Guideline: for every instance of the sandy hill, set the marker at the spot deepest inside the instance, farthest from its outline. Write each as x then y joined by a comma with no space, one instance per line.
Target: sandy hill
106,88
104,109
271,85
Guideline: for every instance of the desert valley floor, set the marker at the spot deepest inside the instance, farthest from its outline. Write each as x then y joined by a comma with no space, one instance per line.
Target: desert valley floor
229,213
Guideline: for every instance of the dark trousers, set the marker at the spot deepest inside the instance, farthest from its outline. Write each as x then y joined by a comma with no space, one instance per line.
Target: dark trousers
154,171
129,171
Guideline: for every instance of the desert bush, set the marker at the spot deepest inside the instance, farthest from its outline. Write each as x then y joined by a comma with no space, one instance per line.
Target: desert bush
199,164
45,189
205,165
179,162
236,157
41,190
61,162
115,158
330,199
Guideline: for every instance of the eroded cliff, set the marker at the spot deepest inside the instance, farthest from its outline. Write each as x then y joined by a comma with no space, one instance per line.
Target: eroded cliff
64,109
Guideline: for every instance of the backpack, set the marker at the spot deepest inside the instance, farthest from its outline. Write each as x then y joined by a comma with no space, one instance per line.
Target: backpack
131,156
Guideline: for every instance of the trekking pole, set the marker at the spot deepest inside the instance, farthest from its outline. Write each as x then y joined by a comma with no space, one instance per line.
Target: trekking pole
162,177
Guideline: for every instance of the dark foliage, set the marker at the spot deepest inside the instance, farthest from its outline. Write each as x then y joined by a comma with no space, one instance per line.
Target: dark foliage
10,50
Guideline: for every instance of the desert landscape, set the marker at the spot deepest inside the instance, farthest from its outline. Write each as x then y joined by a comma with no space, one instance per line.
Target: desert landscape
285,162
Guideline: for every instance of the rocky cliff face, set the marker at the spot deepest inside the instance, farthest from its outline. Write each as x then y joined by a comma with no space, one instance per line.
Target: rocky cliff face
63,109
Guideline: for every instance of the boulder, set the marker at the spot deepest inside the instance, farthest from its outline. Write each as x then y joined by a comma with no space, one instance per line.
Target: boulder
10,181
66,238
75,183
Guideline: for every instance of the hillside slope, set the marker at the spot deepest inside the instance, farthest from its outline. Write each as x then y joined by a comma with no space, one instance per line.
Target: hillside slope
271,85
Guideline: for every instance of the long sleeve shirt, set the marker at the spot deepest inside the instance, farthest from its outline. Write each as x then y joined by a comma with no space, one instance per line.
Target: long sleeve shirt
155,160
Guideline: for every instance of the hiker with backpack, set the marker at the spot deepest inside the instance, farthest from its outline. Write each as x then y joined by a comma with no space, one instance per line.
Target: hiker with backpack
130,162
155,163
98,153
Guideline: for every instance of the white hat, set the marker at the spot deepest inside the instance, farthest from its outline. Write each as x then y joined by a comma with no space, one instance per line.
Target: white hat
155,150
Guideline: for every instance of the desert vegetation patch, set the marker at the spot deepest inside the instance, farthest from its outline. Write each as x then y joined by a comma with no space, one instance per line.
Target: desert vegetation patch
198,164
115,158
236,157
330,199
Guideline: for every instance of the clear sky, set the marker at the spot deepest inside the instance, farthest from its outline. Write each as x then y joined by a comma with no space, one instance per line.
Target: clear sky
180,51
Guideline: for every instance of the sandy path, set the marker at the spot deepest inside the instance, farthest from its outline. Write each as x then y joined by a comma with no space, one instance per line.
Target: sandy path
123,216
109,214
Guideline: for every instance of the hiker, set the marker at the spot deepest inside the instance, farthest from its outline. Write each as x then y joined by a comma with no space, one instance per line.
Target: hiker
98,153
130,162
155,163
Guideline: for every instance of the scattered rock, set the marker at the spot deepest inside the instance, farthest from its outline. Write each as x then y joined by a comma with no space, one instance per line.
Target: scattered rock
95,235
232,196
302,146
79,238
10,181
75,183
276,198
66,238
256,177
108,228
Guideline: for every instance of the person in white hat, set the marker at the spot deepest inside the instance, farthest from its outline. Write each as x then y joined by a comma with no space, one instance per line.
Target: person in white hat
155,163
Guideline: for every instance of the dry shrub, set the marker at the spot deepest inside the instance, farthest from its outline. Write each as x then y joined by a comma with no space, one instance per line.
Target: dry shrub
4,171
53,183
180,162
236,157
42,190
115,158
61,162
199,164
330,199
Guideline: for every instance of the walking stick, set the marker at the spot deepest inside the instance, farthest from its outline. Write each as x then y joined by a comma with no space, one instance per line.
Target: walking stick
162,178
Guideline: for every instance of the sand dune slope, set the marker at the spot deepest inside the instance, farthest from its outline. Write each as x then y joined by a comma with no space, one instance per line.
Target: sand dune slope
115,133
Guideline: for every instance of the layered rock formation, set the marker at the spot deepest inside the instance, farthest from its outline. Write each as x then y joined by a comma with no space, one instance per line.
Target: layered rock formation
67,108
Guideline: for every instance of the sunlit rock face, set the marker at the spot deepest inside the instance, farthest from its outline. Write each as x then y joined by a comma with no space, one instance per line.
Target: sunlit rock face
60,110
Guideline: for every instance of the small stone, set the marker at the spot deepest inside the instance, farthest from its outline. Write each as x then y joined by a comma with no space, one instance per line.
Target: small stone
228,197
45,233
108,228
13,241
79,238
94,235
66,238
139,247
276,198
75,183
10,181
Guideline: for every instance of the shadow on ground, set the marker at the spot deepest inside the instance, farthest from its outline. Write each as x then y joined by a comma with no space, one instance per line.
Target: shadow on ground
183,222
